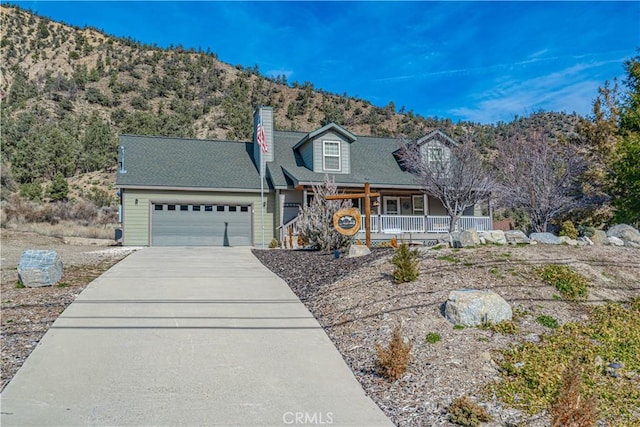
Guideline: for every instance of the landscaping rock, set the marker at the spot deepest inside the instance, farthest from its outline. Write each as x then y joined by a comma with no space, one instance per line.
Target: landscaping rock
496,237
39,268
547,238
470,307
358,250
626,233
566,240
585,240
514,237
600,238
613,240
465,239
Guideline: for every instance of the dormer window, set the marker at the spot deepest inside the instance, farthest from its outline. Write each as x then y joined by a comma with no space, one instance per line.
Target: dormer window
331,155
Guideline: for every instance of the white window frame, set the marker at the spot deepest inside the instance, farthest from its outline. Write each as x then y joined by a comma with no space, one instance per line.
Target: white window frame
325,155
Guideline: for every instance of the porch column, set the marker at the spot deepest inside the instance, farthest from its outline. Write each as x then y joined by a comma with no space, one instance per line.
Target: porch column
425,203
304,198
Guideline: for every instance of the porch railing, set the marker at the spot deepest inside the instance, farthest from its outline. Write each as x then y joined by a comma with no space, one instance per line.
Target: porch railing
423,224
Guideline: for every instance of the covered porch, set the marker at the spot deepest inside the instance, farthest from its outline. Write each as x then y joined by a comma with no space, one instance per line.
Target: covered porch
394,224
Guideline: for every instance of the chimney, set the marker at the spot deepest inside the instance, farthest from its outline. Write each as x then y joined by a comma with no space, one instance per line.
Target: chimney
266,113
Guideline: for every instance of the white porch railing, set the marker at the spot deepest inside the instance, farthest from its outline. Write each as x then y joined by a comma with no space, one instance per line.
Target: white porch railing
423,224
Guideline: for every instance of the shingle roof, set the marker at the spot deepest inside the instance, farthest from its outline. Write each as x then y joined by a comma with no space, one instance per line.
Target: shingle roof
178,162
371,158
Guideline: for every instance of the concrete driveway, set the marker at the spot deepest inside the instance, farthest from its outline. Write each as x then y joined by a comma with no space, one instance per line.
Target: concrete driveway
187,336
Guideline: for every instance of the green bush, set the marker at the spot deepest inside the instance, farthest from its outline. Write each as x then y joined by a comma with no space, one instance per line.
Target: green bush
406,263
571,285
32,191
547,321
433,337
273,243
569,230
59,188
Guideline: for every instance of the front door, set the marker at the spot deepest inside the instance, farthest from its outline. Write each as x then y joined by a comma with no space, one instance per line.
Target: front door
391,205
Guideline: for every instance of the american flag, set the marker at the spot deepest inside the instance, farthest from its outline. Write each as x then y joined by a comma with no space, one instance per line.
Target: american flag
260,136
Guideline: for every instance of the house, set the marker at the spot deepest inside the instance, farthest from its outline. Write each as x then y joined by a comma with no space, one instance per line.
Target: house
189,192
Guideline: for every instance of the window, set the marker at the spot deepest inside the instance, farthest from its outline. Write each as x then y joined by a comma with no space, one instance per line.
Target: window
244,208
331,155
195,208
184,207
232,208
158,207
219,208
418,205
208,208
171,207
435,154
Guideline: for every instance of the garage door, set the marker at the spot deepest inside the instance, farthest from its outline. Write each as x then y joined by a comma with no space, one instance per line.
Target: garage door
200,225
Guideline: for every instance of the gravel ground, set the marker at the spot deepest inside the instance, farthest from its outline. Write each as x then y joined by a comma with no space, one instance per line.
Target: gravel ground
358,305
27,313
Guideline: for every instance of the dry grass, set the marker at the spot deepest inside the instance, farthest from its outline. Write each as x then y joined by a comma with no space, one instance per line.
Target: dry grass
571,408
464,412
392,361
65,229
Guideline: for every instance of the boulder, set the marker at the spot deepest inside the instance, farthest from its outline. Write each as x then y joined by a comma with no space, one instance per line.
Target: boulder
465,239
470,307
613,240
39,268
600,238
496,237
358,250
566,240
547,238
626,233
514,237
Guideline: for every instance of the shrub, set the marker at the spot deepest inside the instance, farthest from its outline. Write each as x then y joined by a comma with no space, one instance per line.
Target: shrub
59,188
547,321
316,219
433,337
32,191
569,230
570,408
464,412
571,285
405,261
273,243
506,327
392,361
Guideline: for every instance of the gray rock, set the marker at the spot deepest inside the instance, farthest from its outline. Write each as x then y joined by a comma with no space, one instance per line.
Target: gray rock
496,237
547,238
613,240
566,240
600,238
514,237
470,307
584,239
465,239
39,268
358,250
625,233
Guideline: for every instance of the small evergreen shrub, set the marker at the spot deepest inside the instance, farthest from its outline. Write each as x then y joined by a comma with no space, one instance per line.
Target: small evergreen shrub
392,361
569,230
32,191
433,337
273,243
547,321
571,285
464,412
405,261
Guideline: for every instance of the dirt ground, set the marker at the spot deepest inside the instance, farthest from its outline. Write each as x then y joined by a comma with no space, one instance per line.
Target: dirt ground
27,313
362,308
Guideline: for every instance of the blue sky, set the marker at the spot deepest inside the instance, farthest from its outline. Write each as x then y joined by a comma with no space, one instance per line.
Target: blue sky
478,61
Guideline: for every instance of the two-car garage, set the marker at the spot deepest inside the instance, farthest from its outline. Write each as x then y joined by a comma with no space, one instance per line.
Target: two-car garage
201,224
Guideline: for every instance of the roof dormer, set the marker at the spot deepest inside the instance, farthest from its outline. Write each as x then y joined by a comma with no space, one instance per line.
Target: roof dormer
327,150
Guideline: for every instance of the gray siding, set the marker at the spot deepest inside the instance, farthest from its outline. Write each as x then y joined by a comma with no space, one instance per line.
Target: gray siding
306,152
344,153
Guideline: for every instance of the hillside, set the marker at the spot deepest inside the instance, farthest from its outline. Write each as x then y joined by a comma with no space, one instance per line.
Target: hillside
67,93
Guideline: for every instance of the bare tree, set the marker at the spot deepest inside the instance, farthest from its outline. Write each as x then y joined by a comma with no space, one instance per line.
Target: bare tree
316,218
539,175
456,174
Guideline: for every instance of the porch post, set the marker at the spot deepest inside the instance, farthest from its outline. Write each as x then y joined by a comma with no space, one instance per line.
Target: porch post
425,203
